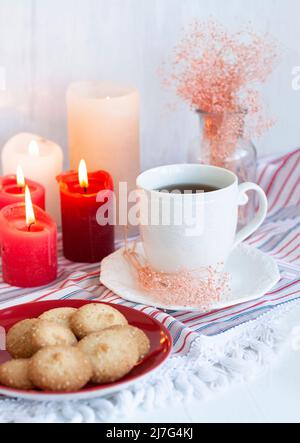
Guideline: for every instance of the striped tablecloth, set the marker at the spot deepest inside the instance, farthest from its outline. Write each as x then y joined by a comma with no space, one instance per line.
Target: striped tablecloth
279,237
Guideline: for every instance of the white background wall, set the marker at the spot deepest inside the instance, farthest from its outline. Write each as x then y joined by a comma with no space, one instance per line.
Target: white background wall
45,44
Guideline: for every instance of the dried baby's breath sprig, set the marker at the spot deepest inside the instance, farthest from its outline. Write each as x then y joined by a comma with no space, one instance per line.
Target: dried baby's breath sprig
200,288
219,72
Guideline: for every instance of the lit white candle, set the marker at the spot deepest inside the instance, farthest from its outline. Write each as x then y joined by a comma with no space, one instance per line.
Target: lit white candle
103,122
41,160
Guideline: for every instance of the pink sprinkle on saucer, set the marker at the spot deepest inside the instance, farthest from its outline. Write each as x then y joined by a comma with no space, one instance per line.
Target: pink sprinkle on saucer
199,288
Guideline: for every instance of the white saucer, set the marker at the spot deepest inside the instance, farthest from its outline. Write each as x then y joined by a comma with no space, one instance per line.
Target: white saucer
252,275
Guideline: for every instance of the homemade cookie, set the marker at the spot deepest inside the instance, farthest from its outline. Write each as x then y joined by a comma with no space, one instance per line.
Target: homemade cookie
141,338
60,369
94,318
113,354
46,333
18,339
60,315
14,374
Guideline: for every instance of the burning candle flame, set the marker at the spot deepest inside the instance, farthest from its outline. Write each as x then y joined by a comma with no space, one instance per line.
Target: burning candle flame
30,216
83,175
34,149
20,177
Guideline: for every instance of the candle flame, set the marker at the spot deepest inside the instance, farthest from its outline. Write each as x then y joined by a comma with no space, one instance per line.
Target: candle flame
20,177
30,216
83,175
34,149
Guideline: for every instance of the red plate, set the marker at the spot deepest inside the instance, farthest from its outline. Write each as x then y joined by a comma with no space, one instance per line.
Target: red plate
159,336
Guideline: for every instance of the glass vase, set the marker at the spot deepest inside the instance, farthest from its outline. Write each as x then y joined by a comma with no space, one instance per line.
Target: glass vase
222,143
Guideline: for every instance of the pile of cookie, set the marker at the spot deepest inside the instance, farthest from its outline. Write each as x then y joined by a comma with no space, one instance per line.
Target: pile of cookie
66,348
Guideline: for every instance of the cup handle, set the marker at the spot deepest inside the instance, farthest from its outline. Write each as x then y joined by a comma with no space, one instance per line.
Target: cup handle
261,214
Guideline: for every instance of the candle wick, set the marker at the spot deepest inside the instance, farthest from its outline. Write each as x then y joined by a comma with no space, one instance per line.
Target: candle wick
85,189
29,227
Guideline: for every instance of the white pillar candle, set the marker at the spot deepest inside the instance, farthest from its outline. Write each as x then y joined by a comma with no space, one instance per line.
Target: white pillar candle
103,125
41,161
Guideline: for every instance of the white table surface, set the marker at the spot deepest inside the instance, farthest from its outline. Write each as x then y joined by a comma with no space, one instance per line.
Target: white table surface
273,397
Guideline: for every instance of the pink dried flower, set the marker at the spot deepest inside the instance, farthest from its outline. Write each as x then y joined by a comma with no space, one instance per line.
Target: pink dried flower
197,289
218,72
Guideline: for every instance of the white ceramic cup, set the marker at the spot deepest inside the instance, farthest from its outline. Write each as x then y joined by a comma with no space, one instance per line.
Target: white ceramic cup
174,246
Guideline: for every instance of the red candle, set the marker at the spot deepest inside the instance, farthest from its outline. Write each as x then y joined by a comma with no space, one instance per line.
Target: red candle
28,244
84,240
12,190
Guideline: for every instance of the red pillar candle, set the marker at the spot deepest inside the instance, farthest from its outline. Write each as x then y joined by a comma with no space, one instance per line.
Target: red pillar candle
29,245
12,190
84,240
